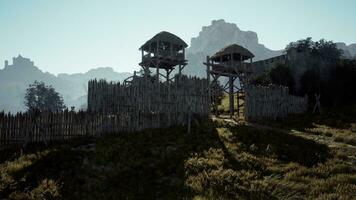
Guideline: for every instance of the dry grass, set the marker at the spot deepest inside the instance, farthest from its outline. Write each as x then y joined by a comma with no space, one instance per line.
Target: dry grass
216,161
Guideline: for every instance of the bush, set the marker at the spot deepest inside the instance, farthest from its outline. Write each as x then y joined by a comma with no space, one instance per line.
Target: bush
336,90
342,82
42,97
280,74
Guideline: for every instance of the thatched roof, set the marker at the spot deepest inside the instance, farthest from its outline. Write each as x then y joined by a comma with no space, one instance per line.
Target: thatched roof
165,36
234,49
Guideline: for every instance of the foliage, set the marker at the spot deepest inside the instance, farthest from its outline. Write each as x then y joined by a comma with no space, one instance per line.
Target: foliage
337,89
327,74
326,49
310,83
262,79
42,97
301,45
322,48
342,83
280,74
217,93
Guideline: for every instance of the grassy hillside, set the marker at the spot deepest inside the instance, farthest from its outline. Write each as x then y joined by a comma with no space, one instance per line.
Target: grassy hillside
217,160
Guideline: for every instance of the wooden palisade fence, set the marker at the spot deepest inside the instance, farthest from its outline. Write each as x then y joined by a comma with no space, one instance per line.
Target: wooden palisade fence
23,128
175,100
272,102
112,108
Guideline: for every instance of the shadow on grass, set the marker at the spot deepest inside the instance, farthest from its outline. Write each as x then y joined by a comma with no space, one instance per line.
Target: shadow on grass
17,150
144,165
336,117
285,147
152,164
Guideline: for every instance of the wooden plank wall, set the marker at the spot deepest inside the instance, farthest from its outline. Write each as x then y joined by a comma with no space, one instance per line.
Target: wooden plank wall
144,95
272,102
21,127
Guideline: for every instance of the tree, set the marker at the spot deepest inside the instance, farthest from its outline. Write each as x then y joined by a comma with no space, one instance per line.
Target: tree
322,49
326,50
44,98
281,74
301,45
217,94
262,79
310,83
341,84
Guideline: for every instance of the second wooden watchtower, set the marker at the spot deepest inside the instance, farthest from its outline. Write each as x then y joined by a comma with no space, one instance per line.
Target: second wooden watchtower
233,62
164,51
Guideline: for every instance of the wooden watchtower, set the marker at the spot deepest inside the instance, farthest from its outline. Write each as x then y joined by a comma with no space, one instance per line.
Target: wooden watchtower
233,62
164,51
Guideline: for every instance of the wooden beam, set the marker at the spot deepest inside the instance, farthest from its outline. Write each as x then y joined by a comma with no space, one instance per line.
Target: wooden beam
231,96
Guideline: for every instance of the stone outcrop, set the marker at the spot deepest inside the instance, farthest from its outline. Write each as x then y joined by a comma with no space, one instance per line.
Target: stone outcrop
216,36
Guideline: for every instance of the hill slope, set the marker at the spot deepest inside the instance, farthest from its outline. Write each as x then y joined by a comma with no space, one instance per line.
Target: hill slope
349,50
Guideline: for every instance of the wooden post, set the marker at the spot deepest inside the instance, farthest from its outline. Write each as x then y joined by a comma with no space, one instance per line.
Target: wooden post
157,73
183,53
231,95
168,96
238,102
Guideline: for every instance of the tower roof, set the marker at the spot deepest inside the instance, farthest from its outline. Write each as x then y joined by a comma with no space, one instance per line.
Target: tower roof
166,37
234,49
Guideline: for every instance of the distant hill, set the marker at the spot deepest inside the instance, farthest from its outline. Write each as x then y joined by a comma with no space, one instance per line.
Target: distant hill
15,78
218,35
349,50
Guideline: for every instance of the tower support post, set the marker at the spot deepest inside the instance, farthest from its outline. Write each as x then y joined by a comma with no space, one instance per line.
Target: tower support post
231,95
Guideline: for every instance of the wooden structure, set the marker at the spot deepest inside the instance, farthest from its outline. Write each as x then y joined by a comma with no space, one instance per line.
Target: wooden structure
24,128
230,62
271,102
164,51
112,108
181,97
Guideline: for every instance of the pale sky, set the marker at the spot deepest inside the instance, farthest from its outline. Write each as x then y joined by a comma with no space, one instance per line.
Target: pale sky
68,36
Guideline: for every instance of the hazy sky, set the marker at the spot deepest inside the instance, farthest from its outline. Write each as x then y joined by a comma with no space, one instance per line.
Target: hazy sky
75,36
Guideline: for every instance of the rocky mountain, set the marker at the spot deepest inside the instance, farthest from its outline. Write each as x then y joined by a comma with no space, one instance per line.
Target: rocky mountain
15,78
218,35
349,50
81,79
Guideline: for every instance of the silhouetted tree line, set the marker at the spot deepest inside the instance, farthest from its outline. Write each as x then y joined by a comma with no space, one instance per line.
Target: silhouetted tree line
334,80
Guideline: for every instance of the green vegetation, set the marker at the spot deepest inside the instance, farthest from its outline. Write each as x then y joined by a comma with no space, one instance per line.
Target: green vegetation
217,160
322,49
42,97
280,74
316,68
